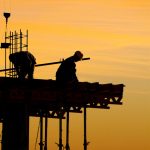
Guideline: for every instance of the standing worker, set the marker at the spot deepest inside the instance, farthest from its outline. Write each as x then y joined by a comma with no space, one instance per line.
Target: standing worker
24,63
66,72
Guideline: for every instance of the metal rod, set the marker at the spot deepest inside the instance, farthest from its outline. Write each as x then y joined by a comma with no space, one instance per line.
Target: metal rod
5,52
46,129
44,64
52,63
20,40
41,133
10,64
85,134
27,35
60,132
16,41
67,131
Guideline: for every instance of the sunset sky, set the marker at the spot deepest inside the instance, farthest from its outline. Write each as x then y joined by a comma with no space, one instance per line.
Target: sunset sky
115,34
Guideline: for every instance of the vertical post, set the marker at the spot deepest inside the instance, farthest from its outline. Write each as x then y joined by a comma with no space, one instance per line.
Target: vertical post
10,51
41,133
5,52
46,129
15,43
1,136
27,41
60,131
6,15
67,131
16,128
85,135
20,40
12,42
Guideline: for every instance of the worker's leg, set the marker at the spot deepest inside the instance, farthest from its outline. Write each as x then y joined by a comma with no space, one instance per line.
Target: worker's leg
30,72
22,72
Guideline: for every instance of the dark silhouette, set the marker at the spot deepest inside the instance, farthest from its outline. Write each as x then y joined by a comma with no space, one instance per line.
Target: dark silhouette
66,72
24,63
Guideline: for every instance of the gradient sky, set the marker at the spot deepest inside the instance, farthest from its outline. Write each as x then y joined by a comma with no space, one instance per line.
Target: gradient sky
116,36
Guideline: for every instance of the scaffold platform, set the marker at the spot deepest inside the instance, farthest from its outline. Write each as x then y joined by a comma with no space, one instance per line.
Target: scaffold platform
39,94
20,99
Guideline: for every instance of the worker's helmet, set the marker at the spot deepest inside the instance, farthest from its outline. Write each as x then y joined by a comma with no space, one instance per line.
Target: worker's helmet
78,55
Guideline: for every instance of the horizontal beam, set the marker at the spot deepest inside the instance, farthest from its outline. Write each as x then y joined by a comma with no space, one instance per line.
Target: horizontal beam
53,63
43,64
45,95
116,103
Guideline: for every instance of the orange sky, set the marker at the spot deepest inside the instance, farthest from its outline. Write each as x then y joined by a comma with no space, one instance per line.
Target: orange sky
115,35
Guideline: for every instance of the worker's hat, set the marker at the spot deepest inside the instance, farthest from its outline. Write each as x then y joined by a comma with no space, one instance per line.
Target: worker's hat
78,55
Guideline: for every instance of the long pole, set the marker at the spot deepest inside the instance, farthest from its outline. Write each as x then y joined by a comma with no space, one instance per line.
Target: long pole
60,132
85,134
58,62
41,133
46,129
67,131
5,51
44,64
6,15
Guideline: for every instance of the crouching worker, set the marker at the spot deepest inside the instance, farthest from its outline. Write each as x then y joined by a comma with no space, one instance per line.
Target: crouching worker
66,73
24,63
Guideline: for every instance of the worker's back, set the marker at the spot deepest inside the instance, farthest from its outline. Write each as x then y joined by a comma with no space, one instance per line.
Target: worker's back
24,63
66,72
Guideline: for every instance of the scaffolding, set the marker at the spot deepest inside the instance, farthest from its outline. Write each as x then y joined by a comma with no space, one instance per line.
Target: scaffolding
43,99
14,42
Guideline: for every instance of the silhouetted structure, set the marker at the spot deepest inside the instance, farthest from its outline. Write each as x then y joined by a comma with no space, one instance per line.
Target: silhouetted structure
24,63
20,99
14,42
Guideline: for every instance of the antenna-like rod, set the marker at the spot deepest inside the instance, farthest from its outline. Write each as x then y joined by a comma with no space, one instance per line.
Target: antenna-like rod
6,15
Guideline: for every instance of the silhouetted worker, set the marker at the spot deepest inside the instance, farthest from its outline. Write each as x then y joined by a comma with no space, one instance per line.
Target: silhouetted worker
66,72
24,63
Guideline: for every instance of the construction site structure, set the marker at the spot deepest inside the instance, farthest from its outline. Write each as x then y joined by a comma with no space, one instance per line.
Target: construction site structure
14,42
20,99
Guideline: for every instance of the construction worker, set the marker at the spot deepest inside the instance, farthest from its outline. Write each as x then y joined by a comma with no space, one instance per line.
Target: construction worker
66,72
24,63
